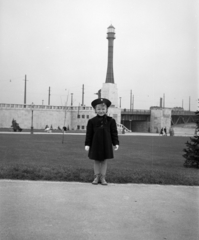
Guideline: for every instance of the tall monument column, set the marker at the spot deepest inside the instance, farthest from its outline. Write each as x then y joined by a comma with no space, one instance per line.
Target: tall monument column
110,37
109,88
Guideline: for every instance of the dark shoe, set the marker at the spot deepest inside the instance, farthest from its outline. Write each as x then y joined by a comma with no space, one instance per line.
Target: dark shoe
96,180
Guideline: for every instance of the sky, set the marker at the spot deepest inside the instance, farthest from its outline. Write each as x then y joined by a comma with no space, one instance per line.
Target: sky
62,44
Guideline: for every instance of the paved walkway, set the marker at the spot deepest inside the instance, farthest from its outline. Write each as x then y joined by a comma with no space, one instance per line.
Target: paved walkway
78,133
36,210
179,134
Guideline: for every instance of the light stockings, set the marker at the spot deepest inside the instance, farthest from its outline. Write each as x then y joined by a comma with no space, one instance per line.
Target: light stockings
100,167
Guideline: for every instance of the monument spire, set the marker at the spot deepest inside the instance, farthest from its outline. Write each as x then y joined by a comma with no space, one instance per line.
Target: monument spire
109,88
110,37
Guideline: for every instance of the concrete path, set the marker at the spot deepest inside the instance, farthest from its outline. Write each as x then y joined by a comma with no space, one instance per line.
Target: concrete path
78,133
179,134
35,210
57,133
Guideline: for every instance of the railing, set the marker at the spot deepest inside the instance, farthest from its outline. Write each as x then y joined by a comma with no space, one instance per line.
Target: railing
148,112
121,127
135,111
78,108
44,107
180,112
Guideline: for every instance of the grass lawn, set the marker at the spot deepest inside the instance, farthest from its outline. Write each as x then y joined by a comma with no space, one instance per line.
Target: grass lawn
140,159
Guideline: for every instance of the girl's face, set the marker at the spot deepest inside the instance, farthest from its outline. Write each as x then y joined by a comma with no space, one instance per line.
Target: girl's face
101,109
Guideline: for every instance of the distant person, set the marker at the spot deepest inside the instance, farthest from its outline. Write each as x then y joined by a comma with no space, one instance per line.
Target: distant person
101,136
162,131
171,132
47,129
65,129
165,131
15,126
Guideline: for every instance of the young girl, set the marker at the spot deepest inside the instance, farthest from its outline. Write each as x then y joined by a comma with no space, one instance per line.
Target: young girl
101,136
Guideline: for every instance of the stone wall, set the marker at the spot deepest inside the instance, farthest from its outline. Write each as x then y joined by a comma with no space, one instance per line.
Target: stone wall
41,118
160,118
76,117
72,117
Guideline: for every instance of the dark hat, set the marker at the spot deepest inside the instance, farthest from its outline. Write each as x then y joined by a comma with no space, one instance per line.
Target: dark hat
100,101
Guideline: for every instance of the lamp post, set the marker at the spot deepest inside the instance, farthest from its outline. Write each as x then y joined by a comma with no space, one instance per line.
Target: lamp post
123,130
130,123
32,107
71,99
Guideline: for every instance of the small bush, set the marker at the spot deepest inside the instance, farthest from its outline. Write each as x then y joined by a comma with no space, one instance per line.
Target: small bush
192,151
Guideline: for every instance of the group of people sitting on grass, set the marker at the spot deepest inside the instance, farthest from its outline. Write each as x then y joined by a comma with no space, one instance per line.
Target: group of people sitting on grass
50,129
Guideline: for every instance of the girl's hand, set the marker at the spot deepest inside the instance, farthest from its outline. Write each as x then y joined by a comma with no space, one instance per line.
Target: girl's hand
87,148
116,147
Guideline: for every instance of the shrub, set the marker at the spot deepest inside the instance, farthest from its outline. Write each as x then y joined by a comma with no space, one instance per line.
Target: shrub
192,151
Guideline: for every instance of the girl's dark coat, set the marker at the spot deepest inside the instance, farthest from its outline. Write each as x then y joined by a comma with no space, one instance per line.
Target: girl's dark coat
101,136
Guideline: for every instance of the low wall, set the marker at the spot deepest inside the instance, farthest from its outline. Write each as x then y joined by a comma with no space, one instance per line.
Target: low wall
183,131
41,118
57,116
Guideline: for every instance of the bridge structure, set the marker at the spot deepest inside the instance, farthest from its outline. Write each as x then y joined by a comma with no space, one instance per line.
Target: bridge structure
140,120
135,120
182,117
